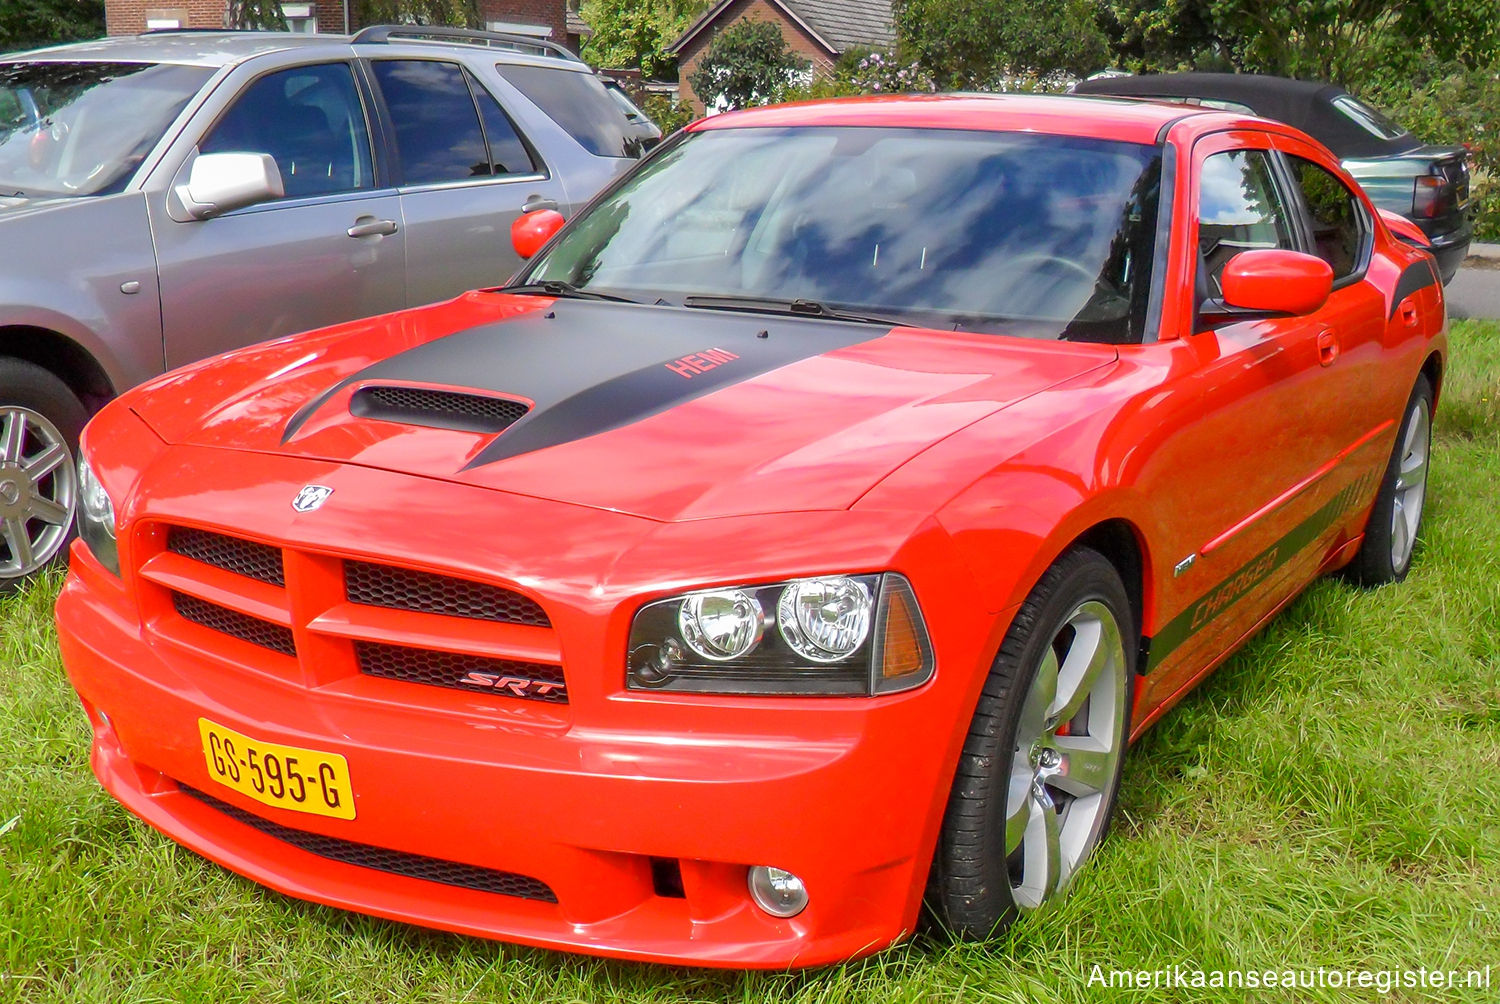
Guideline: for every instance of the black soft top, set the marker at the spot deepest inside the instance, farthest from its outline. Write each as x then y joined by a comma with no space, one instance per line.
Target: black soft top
1304,104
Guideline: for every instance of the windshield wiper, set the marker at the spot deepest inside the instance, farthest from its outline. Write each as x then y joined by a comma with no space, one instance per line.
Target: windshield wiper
557,287
777,305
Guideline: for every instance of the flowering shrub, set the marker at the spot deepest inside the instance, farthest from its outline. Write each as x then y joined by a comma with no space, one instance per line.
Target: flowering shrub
883,73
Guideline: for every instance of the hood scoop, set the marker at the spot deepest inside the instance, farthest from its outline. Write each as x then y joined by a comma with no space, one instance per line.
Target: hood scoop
438,409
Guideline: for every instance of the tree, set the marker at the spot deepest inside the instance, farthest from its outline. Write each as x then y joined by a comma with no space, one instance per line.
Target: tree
262,14
636,33
974,43
1346,41
748,63
26,24
458,13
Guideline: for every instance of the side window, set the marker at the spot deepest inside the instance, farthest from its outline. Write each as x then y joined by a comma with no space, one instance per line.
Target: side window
1338,226
577,101
310,120
438,135
1239,209
508,154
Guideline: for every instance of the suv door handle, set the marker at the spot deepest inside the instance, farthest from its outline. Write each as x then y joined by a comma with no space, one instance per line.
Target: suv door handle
1328,346
369,226
535,202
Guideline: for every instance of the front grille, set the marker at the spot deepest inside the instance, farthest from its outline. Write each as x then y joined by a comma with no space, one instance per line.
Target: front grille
243,557
531,680
233,623
440,409
405,589
383,859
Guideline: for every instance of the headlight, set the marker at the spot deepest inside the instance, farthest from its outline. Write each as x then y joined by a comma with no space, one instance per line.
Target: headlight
96,518
833,634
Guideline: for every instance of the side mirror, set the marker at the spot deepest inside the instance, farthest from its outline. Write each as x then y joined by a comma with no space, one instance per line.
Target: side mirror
1276,282
223,182
531,230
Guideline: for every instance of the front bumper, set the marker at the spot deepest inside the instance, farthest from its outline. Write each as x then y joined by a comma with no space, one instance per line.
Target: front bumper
590,798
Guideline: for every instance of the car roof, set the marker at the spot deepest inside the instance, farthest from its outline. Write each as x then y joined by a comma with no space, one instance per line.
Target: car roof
226,48
195,48
1106,118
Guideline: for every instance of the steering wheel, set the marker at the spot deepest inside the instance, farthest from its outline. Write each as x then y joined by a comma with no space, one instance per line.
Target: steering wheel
1044,286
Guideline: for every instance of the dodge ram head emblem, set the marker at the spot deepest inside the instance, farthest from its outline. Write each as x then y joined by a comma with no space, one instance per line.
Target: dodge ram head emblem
311,497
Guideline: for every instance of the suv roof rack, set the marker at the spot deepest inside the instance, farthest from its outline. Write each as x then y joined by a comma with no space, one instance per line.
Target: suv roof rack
379,34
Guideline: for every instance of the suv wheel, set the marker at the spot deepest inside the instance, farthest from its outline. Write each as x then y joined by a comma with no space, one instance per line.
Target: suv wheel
40,419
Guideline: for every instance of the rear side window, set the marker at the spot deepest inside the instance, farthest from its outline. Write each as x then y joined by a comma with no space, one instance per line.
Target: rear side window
438,135
1367,118
579,103
310,120
1338,226
1239,209
448,127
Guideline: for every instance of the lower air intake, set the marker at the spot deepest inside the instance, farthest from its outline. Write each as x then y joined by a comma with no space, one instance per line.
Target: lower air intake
383,859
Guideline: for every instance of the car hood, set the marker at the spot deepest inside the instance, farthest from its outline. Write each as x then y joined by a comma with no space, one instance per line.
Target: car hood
663,412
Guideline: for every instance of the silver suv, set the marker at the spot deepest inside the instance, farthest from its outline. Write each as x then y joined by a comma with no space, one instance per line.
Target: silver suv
173,195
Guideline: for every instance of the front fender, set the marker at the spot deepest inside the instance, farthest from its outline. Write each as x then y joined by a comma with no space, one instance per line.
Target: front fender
76,261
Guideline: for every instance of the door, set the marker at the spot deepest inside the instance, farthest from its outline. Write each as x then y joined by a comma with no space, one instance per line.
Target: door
1263,464
330,251
466,174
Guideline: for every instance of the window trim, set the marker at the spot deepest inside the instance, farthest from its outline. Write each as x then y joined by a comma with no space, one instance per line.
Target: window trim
476,87
379,182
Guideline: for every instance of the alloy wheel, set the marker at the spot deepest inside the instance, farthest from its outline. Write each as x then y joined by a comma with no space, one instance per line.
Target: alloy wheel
1069,740
38,491
1411,484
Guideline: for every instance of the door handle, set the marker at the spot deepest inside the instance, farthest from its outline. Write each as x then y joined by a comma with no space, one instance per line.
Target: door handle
1328,346
1409,313
535,202
369,226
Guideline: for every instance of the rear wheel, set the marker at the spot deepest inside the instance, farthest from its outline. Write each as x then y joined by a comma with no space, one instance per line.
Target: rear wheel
40,420
1391,533
1040,770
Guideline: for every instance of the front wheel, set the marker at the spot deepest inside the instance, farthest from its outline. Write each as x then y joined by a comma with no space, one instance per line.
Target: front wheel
1391,533
40,419
1040,770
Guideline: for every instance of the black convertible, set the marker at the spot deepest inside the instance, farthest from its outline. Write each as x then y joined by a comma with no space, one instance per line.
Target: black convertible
1427,184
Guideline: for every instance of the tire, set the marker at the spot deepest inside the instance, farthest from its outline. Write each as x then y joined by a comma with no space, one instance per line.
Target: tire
40,420
1390,540
1015,764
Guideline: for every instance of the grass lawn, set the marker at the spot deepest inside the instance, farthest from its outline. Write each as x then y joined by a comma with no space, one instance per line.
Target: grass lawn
1331,797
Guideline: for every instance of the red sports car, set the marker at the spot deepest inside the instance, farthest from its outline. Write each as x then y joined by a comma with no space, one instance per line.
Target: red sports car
798,540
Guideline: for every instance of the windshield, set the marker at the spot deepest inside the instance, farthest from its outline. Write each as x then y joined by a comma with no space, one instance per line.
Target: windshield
82,128
1028,234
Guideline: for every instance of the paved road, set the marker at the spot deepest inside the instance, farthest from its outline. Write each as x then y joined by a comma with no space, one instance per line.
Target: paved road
1475,290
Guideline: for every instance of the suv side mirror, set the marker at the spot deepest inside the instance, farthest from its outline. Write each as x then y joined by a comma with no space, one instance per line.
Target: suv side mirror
531,230
223,182
1272,281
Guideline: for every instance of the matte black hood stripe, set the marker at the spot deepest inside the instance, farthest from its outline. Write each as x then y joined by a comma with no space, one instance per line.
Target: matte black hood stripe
592,366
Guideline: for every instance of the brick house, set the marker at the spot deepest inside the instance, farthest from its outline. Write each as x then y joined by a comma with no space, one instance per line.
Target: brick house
556,20
817,30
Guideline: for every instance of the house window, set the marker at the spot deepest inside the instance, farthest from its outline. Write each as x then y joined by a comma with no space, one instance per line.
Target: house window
517,28
301,18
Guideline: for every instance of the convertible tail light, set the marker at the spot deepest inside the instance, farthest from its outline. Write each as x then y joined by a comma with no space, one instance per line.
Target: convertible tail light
1433,196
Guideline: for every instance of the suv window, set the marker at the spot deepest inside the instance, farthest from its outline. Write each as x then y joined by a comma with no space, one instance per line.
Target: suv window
439,135
310,120
1338,226
579,103
1239,209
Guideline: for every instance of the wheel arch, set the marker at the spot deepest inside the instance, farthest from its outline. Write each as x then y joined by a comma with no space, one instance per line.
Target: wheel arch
1123,546
62,356
1432,369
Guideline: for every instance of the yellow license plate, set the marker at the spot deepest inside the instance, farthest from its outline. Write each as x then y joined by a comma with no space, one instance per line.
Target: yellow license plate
286,777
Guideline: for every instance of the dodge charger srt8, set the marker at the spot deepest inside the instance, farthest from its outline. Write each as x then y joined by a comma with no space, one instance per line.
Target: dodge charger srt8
800,538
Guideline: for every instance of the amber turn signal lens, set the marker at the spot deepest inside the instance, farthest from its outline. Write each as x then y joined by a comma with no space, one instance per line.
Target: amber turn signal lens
902,651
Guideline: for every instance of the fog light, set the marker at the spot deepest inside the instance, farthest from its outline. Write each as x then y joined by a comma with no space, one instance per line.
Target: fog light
777,891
